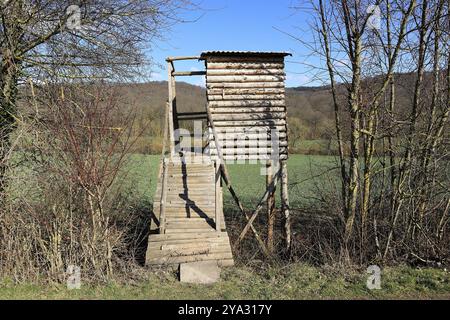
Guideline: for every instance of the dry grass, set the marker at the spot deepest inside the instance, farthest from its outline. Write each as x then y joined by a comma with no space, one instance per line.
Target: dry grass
297,281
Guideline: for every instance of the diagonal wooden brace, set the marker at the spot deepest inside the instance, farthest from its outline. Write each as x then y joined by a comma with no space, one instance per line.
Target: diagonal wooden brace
250,220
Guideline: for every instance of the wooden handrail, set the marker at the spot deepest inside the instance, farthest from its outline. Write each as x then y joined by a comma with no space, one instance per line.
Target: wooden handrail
162,203
217,198
165,135
183,58
188,73
162,175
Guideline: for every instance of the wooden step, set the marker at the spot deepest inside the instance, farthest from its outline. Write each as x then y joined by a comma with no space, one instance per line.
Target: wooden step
191,174
182,210
154,243
198,198
221,263
190,197
190,165
183,180
190,215
157,245
199,204
187,235
177,162
191,230
171,219
189,251
193,204
182,246
195,224
191,258
186,251
189,170
188,223
188,204
189,227
189,184
189,191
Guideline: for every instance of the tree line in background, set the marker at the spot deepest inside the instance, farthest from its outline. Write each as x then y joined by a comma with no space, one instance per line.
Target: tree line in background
310,114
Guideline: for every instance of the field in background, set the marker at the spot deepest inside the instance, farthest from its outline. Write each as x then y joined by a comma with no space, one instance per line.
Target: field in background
307,175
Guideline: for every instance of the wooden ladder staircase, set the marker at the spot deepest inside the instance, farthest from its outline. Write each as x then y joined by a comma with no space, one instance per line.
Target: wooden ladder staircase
188,201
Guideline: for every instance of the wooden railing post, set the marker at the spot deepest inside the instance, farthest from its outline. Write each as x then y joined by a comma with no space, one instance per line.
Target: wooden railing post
285,203
162,208
218,215
270,206
172,104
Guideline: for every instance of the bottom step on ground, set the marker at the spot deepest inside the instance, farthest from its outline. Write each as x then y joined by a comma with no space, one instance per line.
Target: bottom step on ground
179,248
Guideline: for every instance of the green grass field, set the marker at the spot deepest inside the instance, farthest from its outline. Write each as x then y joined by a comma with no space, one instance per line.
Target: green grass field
306,175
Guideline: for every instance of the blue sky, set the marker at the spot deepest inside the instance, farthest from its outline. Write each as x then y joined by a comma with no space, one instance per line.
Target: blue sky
239,25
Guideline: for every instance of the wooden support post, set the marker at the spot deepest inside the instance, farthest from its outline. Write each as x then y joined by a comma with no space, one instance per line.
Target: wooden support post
171,105
270,206
217,198
162,208
165,136
174,96
285,203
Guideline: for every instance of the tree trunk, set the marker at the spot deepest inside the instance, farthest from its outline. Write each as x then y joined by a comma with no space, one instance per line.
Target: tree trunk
353,186
8,84
270,207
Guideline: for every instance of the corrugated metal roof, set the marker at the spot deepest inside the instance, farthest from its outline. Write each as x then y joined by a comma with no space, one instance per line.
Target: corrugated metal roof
244,53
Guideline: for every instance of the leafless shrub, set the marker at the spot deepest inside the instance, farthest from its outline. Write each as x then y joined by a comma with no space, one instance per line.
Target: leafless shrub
80,212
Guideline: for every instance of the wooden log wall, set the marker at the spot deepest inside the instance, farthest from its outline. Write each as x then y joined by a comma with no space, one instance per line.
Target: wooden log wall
246,97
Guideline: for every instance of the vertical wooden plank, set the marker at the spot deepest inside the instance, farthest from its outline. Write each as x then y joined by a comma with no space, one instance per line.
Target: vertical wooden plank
270,207
162,211
165,135
171,101
222,216
218,218
285,203
174,99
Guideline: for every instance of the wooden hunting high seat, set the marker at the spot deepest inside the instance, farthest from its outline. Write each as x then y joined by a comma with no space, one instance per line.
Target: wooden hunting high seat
245,114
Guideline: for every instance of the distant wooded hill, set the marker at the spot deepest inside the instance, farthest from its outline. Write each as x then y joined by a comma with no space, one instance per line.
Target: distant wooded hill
310,112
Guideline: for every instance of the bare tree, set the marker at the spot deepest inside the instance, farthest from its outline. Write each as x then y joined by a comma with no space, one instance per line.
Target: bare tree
94,39
346,34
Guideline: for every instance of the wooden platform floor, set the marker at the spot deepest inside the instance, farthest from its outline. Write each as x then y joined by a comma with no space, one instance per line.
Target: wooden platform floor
190,233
